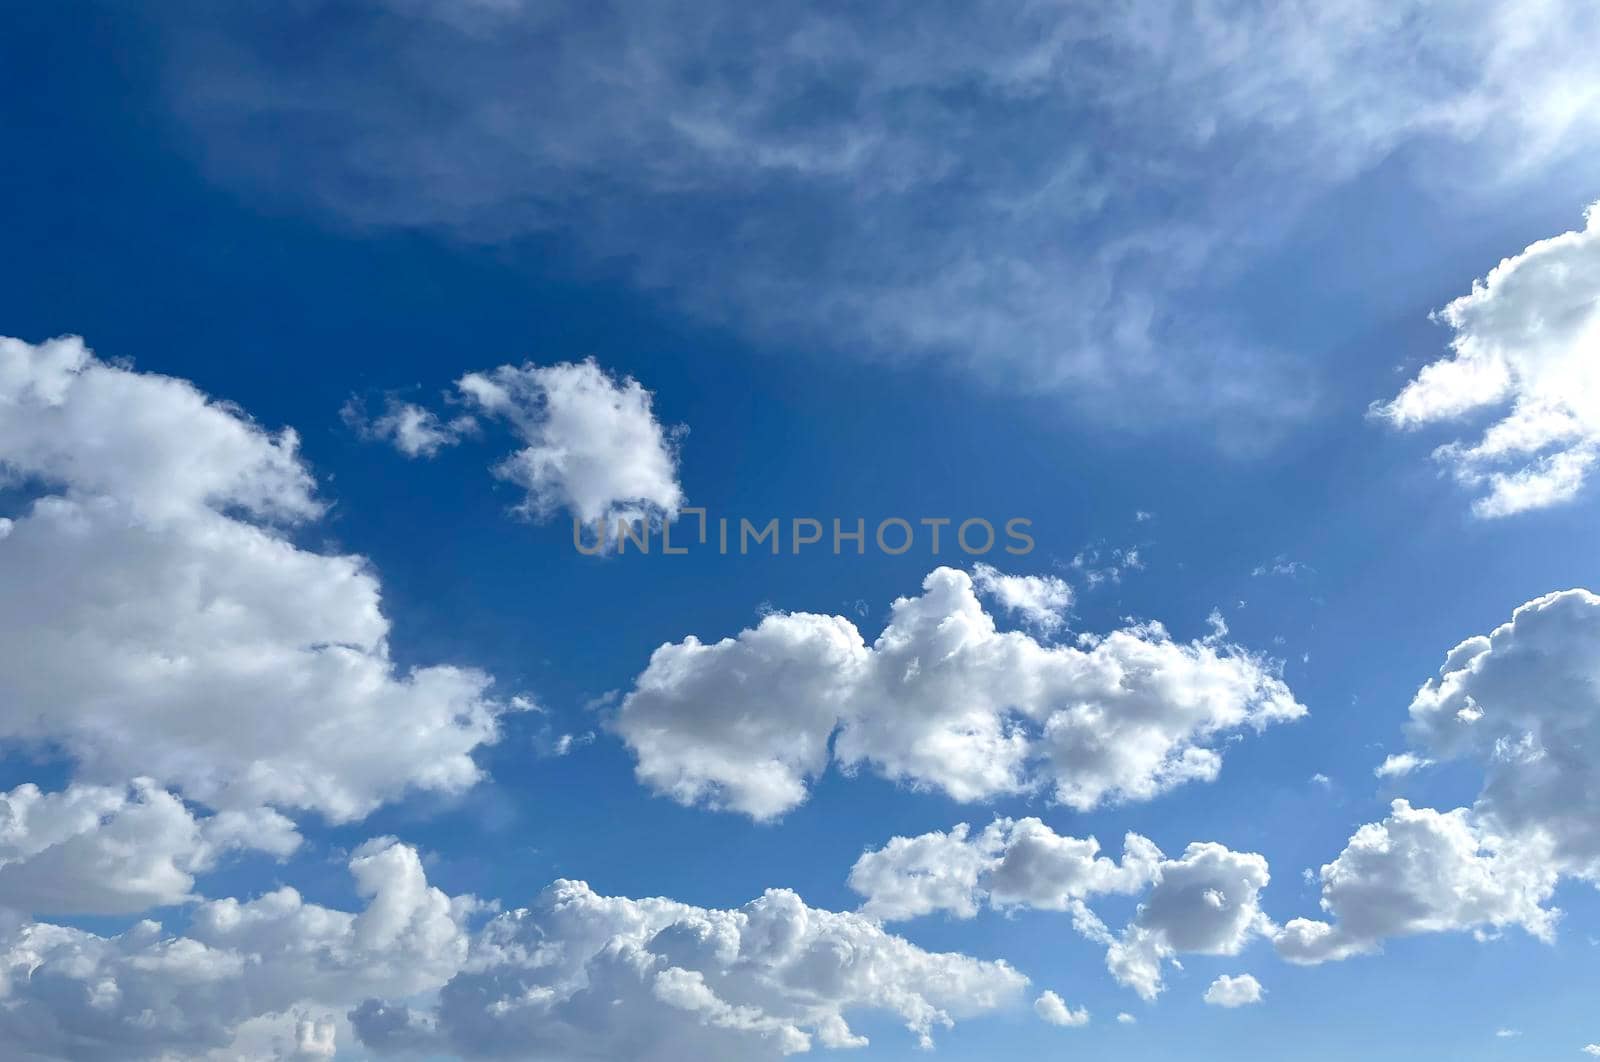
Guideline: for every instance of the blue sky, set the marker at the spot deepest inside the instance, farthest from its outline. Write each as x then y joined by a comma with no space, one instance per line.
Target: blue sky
1152,281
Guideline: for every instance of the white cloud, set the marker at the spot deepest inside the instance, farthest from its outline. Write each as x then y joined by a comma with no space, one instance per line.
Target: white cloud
1053,1009
1124,1018
1524,704
778,173
1041,600
1422,871
1229,991
1207,902
1592,1049
584,976
1401,764
1010,864
414,431
941,700
160,622
102,850
1524,344
242,969
593,445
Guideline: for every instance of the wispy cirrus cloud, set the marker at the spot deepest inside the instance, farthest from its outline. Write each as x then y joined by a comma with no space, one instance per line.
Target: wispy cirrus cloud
1053,198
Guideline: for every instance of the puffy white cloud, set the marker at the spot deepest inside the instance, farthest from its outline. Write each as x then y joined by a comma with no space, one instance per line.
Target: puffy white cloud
1042,601
1524,702
102,850
941,700
1098,169
1230,991
1423,871
241,970
1010,864
1592,1049
160,622
411,429
584,976
1205,902
1524,343
593,444
1053,1009
1124,1018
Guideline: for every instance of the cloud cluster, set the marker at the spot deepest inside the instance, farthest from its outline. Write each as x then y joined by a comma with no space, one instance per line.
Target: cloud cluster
1012,863
253,969
580,976
943,700
103,850
161,622
1207,901
1096,169
1524,345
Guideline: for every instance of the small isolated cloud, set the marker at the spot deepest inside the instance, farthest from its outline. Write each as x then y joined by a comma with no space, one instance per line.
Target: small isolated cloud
1507,1034
1281,565
1592,1049
1322,780
414,431
1125,1018
593,444
1400,765
1041,601
1524,345
1053,1010
1230,992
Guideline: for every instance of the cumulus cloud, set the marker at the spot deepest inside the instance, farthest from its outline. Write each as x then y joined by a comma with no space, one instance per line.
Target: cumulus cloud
1206,902
1041,601
1423,871
411,429
1524,345
1229,991
102,850
1053,1009
941,700
160,622
1523,703
253,969
778,172
1010,864
593,445
583,976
